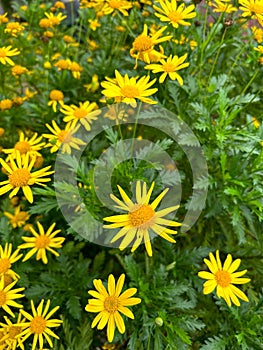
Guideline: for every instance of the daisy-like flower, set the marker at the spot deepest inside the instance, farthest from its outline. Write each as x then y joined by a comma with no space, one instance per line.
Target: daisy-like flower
20,176
12,338
56,96
17,70
42,242
82,114
62,138
19,218
94,85
253,9
7,259
25,146
55,20
141,218
94,24
3,18
117,113
111,6
14,28
259,49
110,303
75,69
174,14
6,104
170,67
39,324
127,89
7,296
223,6
257,34
143,45
5,53
223,278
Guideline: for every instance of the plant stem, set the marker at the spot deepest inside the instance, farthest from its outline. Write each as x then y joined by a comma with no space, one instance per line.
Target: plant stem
217,55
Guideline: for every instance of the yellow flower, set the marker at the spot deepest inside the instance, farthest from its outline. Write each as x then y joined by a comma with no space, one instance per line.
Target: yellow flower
117,113
75,69
18,70
56,96
127,89
12,337
94,24
256,122
62,64
2,131
14,28
253,9
20,176
143,45
169,66
39,324
6,52
110,303
84,114
3,18
7,259
62,138
59,5
111,6
141,218
55,20
94,85
259,49
25,146
257,34
19,218
45,23
6,104
42,242
223,6
7,296
224,278
174,14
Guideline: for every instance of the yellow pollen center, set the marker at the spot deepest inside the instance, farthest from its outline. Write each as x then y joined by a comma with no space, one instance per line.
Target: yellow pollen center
22,146
2,298
38,325
7,280
111,304
4,265
141,216
223,278
22,216
2,53
56,95
169,67
115,4
258,9
64,136
143,43
19,177
175,17
13,331
80,113
130,91
42,241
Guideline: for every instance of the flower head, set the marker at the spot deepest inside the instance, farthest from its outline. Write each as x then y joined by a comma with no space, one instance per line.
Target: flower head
56,96
42,242
7,259
223,278
174,14
19,218
253,9
55,20
12,333
141,218
17,70
111,6
20,176
127,89
169,67
7,296
223,6
5,53
75,69
14,28
110,303
39,324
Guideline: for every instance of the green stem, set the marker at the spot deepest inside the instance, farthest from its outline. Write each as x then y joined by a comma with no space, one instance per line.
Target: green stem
135,126
217,55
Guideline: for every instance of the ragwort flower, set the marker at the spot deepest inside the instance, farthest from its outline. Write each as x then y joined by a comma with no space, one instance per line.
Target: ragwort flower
141,218
223,278
56,96
111,6
14,28
110,303
253,9
5,53
7,296
12,333
19,218
7,259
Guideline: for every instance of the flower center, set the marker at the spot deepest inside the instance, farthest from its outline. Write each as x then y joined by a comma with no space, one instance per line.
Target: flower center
4,265
7,279
56,95
111,304
38,325
2,53
13,331
19,177
223,278
22,146
258,9
64,136
80,113
42,242
175,16
130,91
22,216
143,43
115,4
2,298
169,67
141,216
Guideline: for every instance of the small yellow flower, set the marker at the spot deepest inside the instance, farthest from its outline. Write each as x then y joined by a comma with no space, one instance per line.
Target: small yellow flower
75,69
169,67
111,6
17,70
14,28
109,304
256,122
59,5
45,23
19,218
7,258
3,18
6,104
223,6
94,85
253,9
6,52
56,96
55,20
223,278
39,324
257,34
12,337
62,64
42,242
2,131
7,296
94,24
259,49
47,65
